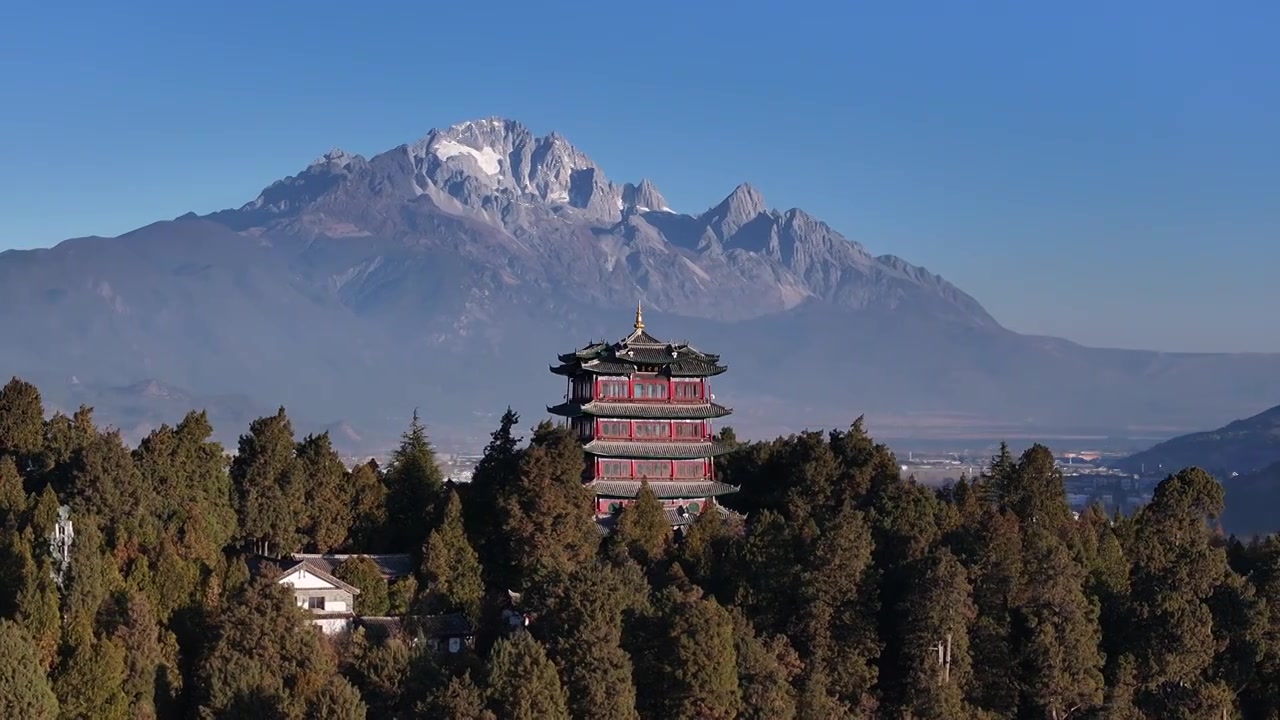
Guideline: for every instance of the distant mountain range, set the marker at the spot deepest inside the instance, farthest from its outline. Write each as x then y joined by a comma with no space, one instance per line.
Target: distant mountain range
1240,447
1245,457
447,274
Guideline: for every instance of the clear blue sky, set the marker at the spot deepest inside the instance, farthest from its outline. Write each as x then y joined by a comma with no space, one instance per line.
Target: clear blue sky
1107,172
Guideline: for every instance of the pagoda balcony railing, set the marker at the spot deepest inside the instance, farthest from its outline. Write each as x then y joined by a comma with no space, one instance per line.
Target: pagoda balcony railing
649,438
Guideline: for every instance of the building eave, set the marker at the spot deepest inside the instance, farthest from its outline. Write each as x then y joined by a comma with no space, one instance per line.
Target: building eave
672,450
642,411
623,489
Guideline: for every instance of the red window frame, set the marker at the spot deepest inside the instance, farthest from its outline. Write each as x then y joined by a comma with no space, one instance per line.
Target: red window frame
649,385
613,429
623,468
699,430
656,469
690,469
694,396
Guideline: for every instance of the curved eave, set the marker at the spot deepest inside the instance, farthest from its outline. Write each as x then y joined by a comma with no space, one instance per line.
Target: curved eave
638,411
589,352
656,450
570,369
709,372
623,366
663,489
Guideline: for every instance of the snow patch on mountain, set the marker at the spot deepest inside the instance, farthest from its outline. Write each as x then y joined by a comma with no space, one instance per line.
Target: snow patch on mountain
487,158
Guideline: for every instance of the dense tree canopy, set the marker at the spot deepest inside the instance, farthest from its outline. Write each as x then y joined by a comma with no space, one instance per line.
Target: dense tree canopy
835,588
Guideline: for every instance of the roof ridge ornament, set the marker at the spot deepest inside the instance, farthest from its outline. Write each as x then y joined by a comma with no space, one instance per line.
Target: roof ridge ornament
639,316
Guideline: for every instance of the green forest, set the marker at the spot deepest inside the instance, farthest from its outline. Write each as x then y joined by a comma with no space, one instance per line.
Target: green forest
839,589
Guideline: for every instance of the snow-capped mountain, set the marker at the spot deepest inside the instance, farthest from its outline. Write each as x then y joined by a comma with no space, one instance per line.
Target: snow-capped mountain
445,272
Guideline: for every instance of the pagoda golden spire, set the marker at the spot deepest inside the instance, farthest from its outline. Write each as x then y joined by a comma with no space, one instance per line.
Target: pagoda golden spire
639,317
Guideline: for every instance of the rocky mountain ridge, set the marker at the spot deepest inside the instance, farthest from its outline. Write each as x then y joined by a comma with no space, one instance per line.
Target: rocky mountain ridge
513,193
445,272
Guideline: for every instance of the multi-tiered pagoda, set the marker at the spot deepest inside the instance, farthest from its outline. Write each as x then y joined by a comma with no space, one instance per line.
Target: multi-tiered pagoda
643,407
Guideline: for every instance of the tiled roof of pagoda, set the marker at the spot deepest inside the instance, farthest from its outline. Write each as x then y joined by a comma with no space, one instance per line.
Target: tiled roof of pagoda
672,450
639,348
667,410
661,488
690,367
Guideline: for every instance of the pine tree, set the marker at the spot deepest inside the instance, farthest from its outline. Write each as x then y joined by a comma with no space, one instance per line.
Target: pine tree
546,519
1107,583
265,656
64,437
766,668
460,699
106,484
13,499
497,473
522,683
1001,477
1037,495
935,622
582,624
1061,663
337,700
328,499
151,670
90,682
774,555
1119,701
697,672
24,690
380,671
1176,568
834,625
90,580
709,553
862,461
34,594
814,472
21,421
363,574
997,574
415,489
642,530
451,574
368,507
186,471
268,486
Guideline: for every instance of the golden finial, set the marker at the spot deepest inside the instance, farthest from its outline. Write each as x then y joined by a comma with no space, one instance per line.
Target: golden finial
639,317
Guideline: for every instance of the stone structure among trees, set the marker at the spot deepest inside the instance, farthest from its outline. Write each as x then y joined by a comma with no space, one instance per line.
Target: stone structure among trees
643,409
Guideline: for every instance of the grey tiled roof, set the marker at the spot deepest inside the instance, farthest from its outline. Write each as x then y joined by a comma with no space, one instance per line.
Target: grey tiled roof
451,625
642,337
661,488
695,367
380,628
656,410
692,367
392,566
674,450
284,566
640,347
